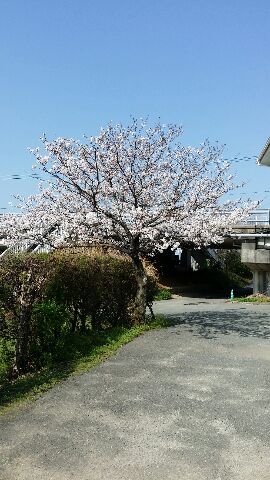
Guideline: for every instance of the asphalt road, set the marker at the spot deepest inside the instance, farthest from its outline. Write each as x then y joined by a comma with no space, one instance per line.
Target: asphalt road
191,402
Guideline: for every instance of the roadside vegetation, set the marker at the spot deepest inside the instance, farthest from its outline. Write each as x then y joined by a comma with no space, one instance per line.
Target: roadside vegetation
227,273
256,298
163,294
63,310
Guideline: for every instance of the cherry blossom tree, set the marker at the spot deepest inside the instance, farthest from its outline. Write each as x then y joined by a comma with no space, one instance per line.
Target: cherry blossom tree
135,188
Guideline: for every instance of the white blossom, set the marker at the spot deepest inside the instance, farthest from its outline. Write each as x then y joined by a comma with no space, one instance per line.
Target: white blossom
133,187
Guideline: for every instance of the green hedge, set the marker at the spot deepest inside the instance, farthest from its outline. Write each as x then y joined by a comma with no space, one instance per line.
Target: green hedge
65,294
96,289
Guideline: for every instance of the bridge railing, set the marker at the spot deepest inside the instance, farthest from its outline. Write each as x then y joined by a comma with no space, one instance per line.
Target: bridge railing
260,217
18,248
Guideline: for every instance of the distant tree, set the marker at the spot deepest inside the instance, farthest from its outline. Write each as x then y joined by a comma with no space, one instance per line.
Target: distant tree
231,262
134,188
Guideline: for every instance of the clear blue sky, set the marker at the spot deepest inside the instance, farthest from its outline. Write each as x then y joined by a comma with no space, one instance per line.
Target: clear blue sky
70,66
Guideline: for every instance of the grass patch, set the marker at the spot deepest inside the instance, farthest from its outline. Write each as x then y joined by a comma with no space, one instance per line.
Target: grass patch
83,352
163,294
253,299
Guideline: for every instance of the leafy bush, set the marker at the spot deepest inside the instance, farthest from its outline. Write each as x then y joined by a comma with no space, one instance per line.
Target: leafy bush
7,349
217,279
97,289
50,325
22,281
152,289
163,294
231,263
44,299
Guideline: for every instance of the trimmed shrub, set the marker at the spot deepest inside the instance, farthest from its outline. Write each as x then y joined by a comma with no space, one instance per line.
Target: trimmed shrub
96,289
49,326
7,350
45,299
22,282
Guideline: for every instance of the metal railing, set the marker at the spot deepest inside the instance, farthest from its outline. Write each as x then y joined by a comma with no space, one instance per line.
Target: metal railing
18,248
258,217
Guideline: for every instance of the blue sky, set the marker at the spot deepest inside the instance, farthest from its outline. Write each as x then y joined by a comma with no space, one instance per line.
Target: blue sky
69,67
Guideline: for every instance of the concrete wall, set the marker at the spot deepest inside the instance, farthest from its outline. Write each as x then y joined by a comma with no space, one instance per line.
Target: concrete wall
251,255
258,260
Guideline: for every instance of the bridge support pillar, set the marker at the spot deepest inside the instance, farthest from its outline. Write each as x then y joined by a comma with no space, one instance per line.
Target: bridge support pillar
261,282
258,260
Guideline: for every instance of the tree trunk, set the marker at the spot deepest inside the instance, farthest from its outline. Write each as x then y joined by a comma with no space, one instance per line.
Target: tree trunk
83,321
94,321
74,319
22,344
140,299
150,306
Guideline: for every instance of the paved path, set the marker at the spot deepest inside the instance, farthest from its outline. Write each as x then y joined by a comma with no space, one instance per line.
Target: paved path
190,402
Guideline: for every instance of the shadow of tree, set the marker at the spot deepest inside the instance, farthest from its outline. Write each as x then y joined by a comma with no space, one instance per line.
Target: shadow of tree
210,324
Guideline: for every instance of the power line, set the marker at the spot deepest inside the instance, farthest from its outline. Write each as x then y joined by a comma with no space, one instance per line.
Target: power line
249,193
242,159
19,176
35,176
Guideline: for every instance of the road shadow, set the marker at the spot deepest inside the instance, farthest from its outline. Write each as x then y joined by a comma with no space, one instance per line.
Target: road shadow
211,324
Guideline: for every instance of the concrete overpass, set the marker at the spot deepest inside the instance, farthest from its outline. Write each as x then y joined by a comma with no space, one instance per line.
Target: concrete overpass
254,235
252,238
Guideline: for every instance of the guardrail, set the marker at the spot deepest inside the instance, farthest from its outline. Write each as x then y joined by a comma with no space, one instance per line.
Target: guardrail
18,248
258,217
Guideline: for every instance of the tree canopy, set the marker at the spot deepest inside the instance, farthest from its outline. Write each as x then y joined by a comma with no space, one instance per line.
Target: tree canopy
135,188
129,183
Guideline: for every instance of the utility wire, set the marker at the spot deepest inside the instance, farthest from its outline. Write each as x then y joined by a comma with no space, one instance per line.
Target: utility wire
35,176
249,193
19,176
242,159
